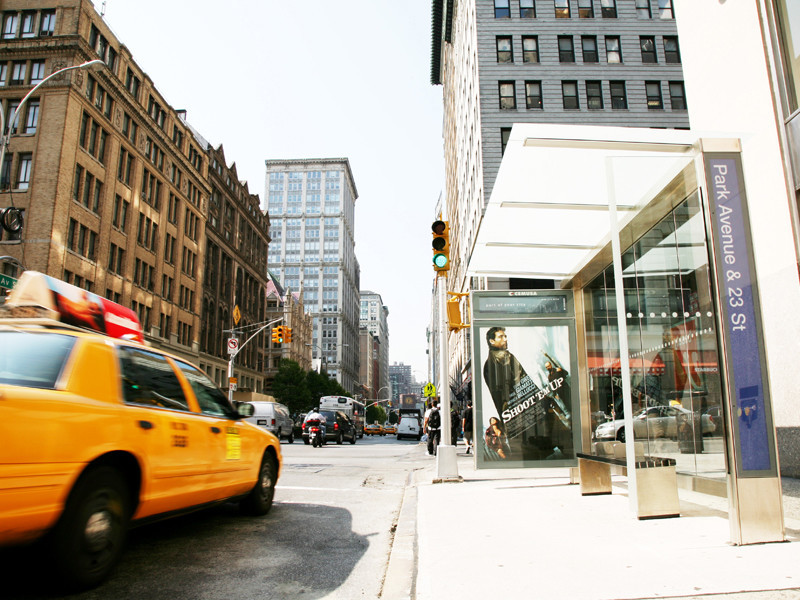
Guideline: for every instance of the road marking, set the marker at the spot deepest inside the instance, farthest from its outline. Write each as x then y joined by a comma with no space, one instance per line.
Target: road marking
317,489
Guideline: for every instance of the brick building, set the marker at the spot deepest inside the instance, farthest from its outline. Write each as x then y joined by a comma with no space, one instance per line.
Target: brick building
121,196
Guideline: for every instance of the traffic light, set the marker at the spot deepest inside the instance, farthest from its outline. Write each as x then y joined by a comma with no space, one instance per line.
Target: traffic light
277,335
287,335
441,246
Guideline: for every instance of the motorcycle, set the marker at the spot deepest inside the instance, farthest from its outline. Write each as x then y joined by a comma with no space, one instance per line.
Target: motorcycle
315,434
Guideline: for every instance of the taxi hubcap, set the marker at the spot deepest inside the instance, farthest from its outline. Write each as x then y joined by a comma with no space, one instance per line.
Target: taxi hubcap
98,530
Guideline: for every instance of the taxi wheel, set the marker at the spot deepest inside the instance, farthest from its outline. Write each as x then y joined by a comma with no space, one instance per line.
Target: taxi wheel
87,541
259,500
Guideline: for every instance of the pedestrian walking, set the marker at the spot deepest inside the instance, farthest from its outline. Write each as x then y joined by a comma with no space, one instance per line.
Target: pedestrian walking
455,425
466,425
433,424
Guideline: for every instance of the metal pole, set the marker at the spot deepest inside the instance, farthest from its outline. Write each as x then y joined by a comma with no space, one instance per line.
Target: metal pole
446,463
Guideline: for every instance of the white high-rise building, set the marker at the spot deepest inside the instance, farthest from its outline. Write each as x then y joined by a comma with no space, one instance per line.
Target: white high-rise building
311,204
374,318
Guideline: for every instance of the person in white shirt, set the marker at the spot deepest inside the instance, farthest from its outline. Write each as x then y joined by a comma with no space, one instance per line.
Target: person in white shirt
314,415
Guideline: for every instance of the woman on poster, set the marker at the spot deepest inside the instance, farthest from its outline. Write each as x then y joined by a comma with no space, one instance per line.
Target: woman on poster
496,443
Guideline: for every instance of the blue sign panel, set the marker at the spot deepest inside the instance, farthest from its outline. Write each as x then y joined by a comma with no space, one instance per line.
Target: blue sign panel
747,383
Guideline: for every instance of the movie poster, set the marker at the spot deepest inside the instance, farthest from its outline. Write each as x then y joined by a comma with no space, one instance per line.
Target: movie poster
527,408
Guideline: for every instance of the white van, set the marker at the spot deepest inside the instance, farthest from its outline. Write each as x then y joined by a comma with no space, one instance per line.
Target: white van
275,418
409,426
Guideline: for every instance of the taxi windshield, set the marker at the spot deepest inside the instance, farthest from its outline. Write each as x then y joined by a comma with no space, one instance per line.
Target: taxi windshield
33,359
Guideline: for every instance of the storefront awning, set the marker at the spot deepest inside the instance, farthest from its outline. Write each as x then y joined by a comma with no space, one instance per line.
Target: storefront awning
549,209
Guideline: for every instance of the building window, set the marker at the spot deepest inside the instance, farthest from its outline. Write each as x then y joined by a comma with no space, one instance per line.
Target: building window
613,51
677,95
619,98
665,9
562,9
672,53
10,22
648,46
569,91
589,47
608,8
28,24
3,74
508,95
32,118
505,52
505,134
530,49
594,95
18,70
24,171
654,99
527,9
533,94
501,9
37,72
132,83
643,9
125,166
566,49
48,24
585,9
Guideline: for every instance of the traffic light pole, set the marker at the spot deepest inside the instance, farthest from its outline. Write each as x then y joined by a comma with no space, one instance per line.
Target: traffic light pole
239,349
446,462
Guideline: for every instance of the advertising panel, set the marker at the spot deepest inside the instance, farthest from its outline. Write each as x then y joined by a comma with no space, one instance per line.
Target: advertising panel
524,356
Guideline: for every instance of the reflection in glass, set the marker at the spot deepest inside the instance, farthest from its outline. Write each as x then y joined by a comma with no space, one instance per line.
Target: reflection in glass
675,379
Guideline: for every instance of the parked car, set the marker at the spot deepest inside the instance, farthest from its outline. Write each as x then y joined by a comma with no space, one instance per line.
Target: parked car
389,429
409,427
100,431
275,418
373,429
298,424
655,421
338,427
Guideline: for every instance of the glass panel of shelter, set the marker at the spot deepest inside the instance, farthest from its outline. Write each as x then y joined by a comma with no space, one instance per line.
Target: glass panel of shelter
674,366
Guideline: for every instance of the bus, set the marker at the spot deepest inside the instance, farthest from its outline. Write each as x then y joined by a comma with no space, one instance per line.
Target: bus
349,406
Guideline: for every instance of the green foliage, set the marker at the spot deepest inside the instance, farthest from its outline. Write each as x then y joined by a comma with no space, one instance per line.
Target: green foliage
299,390
394,417
376,413
290,387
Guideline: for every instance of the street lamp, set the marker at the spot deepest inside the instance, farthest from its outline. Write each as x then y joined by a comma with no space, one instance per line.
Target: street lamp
5,137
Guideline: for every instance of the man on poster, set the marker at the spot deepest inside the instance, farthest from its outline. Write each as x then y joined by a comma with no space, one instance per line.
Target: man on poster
502,372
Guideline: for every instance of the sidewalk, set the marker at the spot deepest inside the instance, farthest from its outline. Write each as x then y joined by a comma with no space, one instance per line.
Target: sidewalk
530,534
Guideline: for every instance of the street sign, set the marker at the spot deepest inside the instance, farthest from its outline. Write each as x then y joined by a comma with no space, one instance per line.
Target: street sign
233,380
237,315
232,387
6,281
429,391
233,345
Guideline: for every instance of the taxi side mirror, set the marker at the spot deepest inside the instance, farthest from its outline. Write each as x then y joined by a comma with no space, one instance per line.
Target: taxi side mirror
245,409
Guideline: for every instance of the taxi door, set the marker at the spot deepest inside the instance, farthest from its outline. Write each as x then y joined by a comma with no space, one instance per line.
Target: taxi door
174,446
236,446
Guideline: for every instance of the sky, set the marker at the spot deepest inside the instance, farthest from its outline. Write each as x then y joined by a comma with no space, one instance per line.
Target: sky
273,79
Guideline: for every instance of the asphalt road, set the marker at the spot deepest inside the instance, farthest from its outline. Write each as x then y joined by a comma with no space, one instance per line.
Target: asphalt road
328,535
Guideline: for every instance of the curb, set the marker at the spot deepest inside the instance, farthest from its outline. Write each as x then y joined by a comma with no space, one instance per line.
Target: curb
401,570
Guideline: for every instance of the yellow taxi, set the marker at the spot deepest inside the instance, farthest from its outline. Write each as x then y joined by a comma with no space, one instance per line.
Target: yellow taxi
100,431
373,429
389,429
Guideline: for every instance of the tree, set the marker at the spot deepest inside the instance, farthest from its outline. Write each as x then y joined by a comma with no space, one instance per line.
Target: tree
376,413
290,387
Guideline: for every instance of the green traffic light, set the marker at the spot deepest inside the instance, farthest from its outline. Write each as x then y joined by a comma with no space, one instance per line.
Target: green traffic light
439,260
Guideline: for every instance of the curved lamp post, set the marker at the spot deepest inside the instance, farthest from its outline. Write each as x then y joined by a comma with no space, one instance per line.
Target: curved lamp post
5,137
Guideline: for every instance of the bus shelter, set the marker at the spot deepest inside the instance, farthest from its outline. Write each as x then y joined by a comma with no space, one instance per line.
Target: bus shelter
650,231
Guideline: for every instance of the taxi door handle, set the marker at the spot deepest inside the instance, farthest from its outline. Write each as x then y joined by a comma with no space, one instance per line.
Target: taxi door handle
216,430
146,424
